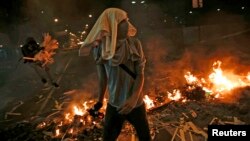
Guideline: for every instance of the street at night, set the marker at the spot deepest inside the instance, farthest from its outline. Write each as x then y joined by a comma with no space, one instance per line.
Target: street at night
195,84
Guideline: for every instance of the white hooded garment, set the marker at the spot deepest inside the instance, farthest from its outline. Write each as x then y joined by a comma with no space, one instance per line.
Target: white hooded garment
106,27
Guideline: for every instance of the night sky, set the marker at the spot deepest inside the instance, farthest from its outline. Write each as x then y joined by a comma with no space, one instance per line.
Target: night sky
73,14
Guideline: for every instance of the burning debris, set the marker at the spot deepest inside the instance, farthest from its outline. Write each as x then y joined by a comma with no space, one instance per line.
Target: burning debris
73,122
45,56
183,114
218,85
193,93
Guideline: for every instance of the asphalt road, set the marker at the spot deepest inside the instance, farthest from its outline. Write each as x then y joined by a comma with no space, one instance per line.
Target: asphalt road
24,95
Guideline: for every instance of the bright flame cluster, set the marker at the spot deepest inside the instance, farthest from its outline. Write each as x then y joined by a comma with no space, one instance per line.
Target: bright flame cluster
149,102
219,82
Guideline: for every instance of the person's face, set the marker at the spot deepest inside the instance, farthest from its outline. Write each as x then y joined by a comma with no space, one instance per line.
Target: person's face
122,29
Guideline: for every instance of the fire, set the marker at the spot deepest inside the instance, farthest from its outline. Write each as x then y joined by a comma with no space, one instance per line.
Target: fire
176,95
78,111
190,78
219,82
61,124
45,56
248,76
105,101
225,81
149,102
81,111
57,132
71,130
41,125
68,117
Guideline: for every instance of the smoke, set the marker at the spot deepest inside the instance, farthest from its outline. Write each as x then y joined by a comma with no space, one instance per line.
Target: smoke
88,89
170,53
168,57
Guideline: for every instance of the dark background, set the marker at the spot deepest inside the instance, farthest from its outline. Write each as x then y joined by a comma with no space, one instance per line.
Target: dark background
72,14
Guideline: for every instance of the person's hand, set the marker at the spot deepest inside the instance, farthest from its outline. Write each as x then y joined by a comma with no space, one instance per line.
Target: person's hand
98,106
94,110
127,107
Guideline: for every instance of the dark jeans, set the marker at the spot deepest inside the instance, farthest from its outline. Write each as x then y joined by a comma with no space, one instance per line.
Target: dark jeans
114,123
39,70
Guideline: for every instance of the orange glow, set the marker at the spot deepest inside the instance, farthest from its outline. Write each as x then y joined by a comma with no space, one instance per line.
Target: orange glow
61,124
225,81
149,102
248,76
217,84
57,132
68,117
41,125
176,95
190,78
219,81
71,131
78,111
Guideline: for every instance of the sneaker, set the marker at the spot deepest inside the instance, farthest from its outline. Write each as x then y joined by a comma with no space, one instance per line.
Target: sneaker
46,87
55,84
44,80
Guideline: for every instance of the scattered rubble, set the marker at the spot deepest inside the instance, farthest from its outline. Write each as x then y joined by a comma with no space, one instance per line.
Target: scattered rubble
178,120
11,112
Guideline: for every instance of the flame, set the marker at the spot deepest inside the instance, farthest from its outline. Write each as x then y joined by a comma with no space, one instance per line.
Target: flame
89,119
105,101
68,117
176,95
71,131
85,106
149,102
41,125
78,111
248,76
225,81
190,78
57,132
45,56
219,82
61,124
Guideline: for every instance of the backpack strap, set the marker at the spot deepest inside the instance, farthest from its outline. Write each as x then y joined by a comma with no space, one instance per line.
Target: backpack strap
126,69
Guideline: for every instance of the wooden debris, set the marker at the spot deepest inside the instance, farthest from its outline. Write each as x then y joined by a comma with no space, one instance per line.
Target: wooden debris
189,127
70,92
218,121
193,113
58,106
50,115
11,112
161,117
40,100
